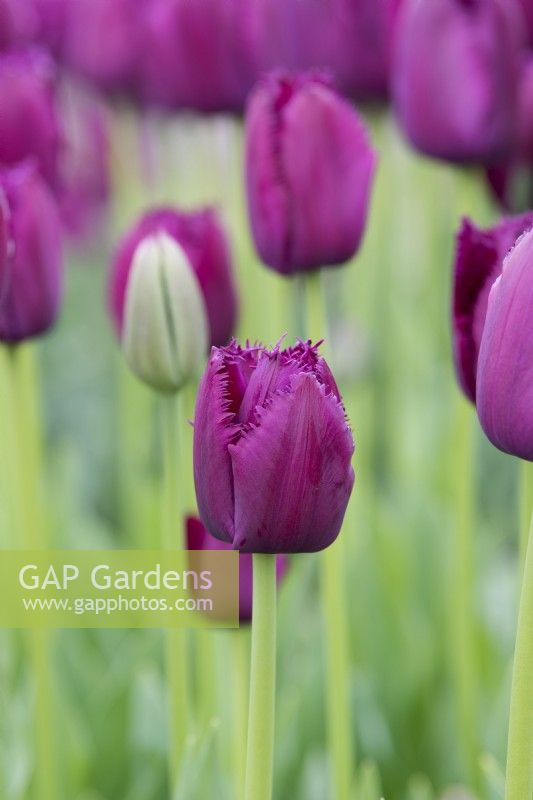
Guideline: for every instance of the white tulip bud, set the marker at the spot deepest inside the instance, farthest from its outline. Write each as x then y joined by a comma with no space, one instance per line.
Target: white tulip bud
165,330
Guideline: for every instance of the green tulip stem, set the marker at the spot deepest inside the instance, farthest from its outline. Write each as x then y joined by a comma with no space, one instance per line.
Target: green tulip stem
334,602
30,531
519,778
462,645
240,642
526,505
260,748
173,539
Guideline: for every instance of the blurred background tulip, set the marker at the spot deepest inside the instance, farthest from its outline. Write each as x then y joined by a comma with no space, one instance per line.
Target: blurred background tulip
32,277
272,450
479,258
505,367
201,55
455,77
29,121
200,539
103,42
309,171
84,182
203,239
164,325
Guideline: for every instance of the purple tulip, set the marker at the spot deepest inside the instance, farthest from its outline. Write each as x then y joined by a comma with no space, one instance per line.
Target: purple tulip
350,40
103,41
505,366
272,450
204,241
478,262
309,171
199,539
29,124
511,182
363,47
527,8
84,171
455,76
200,55
31,280
50,21
4,240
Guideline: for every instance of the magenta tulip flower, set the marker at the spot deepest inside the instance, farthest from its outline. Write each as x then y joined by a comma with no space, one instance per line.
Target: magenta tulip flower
84,188
478,262
309,171
505,366
104,40
199,55
202,237
362,47
511,181
31,279
527,9
29,124
272,450
199,539
51,20
455,76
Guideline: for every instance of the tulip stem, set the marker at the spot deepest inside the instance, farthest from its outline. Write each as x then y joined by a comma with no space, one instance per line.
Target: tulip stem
173,538
260,749
337,672
526,506
519,778
339,727
31,532
240,644
462,645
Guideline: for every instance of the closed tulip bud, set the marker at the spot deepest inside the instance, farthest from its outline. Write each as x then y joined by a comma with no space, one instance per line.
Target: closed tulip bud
527,9
84,185
309,171
199,539
29,124
31,278
103,41
164,336
478,262
454,77
505,366
202,237
199,55
272,450
511,182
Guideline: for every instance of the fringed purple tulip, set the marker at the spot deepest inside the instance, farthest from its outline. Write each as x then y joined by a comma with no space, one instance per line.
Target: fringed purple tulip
454,77
199,55
199,539
309,171
29,124
272,450
31,280
202,237
505,367
104,40
478,262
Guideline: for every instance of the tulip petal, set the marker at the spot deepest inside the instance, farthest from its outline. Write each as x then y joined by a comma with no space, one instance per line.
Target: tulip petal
214,429
292,472
505,366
